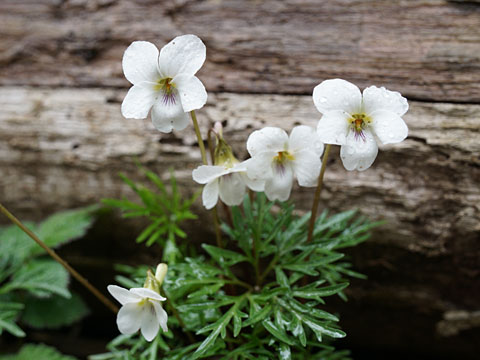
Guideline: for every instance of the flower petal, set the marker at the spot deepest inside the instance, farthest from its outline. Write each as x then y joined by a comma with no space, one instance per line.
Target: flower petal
150,325
255,185
192,92
123,296
305,138
388,126
183,55
307,166
375,98
279,186
359,154
268,138
140,62
147,293
231,189
206,173
139,101
162,316
210,194
260,166
129,318
337,94
333,127
167,116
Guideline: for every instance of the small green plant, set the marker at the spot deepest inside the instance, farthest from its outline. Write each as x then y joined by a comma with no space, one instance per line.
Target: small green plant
34,288
261,298
164,208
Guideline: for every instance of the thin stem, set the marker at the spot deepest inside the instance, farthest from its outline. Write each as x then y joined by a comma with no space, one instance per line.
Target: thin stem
62,262
180,321
199,137
269,268
216,221
316,199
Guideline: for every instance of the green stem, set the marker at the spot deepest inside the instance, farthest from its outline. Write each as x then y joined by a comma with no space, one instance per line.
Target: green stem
269,268
180,321
62,262
199,137
316,199
216,221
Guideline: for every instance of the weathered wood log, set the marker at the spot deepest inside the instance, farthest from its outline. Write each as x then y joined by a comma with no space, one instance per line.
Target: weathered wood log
428,49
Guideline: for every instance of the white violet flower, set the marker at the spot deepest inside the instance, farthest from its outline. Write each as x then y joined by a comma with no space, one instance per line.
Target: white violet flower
164,81
276,158
358,122
141,307
227,179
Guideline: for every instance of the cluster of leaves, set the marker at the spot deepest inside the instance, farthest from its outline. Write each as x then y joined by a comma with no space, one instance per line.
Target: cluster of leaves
33,287
37,352
164,208
261,297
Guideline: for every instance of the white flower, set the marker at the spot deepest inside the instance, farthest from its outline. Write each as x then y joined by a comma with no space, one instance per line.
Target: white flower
141,310
276,158
164,82
358,122
227,181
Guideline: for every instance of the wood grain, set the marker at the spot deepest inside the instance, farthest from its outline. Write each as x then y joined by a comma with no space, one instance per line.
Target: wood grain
428,50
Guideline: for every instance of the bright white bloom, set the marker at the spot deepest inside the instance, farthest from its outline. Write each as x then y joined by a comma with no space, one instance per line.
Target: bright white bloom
358,122
164,82
276,158
228,181
141,307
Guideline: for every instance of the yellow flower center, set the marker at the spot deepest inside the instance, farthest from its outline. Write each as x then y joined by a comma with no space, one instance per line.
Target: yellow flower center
358,123
167,87
283,156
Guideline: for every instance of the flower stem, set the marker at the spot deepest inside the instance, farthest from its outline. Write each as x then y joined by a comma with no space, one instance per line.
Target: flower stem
62,262
180,321
316,199
216,221
199,137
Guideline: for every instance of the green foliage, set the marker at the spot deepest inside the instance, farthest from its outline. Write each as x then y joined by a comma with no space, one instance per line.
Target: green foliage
164,208
37,352
32,285
260,297
53,312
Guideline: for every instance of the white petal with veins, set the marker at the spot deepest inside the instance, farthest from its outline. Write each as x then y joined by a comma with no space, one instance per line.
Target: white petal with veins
359,154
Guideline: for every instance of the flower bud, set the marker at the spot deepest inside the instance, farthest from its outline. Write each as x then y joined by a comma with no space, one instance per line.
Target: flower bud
160,273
